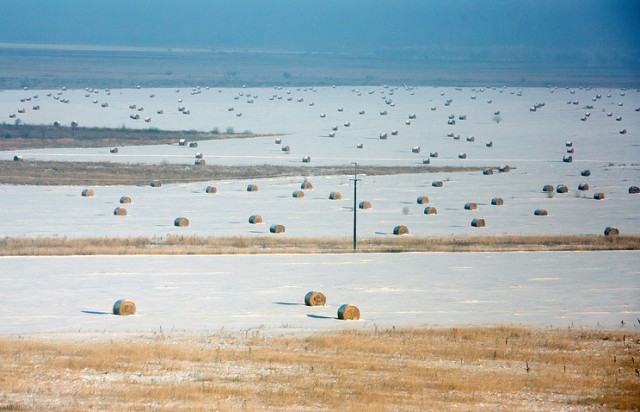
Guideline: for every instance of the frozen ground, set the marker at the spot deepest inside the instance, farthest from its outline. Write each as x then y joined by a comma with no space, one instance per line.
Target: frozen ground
264,293
532,143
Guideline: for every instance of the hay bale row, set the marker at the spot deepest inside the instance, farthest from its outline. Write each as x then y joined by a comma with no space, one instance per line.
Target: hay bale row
120,211
181,222
348,312
478,222
423,200
540,212
335,195
430,210
611,231
364,205
255,219
276,229
497,201
470,206
87,193
400,230
124,307
314,298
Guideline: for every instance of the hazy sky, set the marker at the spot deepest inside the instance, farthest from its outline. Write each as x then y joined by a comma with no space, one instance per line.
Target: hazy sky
326,25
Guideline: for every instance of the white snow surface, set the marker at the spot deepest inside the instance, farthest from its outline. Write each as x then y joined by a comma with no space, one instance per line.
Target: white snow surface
74,295
264,294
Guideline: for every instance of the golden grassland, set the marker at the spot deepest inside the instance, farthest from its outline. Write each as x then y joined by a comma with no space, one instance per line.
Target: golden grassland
466,368
194,245
110,174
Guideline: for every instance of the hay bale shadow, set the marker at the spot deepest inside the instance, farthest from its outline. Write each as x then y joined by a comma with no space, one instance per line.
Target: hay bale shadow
314,316
289,303
95,312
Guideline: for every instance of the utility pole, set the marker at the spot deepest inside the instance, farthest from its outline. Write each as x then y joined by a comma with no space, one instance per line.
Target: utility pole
355,203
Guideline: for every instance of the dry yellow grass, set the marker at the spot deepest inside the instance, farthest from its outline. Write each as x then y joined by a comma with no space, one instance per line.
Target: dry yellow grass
185,245
472,368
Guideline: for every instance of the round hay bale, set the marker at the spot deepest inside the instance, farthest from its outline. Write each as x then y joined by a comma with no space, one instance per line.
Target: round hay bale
504,169
252,188
570,150
276,229
462,156
364,205
286,149
306,159
298,194
278,141
400,230
383,136
315,299
125,200
478,222
87,193
199,155
470,206
489,144
120,211
433,154
423,200
211,190
193,144
548,188
540,212
585,173
437,183
634,190
200,162
156,183
255,219
567,159
181,222
360,146
182,142
568,143
124,307
487,172
598,196
430,210
497,201
426,161
583,186
415,149
348,312
611,231
562,189
18,158
113,150
306,185
335,195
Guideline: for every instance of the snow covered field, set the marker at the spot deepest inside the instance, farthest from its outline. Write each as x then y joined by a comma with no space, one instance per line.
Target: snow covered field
264,294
